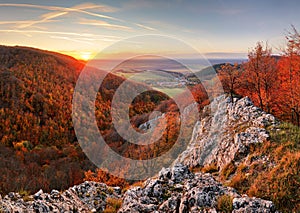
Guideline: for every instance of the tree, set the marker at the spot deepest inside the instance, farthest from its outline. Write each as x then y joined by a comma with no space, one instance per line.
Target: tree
289,74
260,76
230,77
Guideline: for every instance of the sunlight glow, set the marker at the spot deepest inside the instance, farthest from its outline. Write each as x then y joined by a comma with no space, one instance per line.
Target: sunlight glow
85,55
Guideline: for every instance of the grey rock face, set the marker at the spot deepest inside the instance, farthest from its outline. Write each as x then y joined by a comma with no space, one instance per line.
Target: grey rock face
86,197
246,204
151,123
178,190
226,132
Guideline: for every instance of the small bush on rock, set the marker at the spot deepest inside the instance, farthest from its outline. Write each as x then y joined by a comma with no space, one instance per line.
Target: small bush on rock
112,205
224,204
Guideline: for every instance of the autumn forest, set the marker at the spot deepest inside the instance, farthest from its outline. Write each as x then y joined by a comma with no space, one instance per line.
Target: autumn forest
38,145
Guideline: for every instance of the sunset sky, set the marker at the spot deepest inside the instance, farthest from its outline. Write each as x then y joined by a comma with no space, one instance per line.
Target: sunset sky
82,29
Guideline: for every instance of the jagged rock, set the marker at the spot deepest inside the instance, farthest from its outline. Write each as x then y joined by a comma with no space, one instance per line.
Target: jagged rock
176,173
86,197
226,132
37,195
246,204
151,123
176,189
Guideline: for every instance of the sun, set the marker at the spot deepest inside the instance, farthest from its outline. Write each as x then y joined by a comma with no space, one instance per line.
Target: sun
85,55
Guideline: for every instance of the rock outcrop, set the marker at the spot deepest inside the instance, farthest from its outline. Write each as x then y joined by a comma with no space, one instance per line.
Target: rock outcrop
176,189
151,123
86,197
226,132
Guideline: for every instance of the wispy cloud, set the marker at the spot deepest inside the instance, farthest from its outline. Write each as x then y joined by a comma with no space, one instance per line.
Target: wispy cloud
81,8
96,7
71,39
145,27
20,22
165,27
89,41
30,27
51,14
45,18
104,24
88,35
61,11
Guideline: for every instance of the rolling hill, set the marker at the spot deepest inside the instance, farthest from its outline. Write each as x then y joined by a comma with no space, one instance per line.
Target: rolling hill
36,130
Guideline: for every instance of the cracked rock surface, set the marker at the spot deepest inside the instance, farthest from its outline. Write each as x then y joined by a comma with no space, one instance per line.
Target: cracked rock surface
226,132
176,189
86,197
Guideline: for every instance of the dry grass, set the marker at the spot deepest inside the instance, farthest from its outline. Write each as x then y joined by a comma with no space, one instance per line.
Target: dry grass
224,204
211,168
280,182
135,184
228,170
112,205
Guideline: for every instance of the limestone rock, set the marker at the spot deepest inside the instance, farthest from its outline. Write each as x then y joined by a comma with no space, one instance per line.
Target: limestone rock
178,190
226,132
246,204
86,197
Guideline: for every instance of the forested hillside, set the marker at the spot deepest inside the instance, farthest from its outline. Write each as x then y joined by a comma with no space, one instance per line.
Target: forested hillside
36,130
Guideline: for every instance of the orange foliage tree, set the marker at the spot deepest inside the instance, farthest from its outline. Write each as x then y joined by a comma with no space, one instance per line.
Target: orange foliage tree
104,177
289,75
230,77
260,77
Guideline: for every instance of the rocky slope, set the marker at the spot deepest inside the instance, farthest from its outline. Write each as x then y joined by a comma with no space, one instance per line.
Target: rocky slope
86,197
224,135
176,189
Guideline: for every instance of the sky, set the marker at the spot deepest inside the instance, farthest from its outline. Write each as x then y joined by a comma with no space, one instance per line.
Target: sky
219,28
